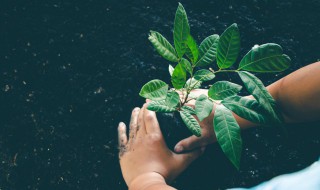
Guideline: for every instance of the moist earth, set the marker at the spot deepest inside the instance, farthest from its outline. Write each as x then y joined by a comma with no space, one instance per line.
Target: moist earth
70,71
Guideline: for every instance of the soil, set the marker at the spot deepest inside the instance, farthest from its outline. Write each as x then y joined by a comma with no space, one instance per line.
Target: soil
71,71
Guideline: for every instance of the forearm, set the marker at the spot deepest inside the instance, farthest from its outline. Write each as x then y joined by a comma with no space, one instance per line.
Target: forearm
149,181
297,94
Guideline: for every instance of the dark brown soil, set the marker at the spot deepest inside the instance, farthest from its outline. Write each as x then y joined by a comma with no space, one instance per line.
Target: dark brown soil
71,70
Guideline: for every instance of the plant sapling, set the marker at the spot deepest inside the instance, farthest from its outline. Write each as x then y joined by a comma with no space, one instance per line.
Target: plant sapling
189,72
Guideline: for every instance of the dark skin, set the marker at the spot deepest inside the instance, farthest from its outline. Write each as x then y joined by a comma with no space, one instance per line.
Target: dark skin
148,164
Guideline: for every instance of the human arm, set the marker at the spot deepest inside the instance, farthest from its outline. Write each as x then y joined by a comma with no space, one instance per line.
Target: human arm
298,97
145,160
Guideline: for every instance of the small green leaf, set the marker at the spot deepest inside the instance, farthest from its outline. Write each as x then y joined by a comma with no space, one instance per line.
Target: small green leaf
203,107
192,50
178,78
186,64
163,47
246,108
204,75
160,106
208,50
172,99
265,58
167,105
191,82
260,93
189,109
190,122
193,95
228,47
228,134
181,30
154,90
170,70
223,89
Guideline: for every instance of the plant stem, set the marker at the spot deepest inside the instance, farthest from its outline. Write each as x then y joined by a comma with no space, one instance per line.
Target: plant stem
190,89
224,71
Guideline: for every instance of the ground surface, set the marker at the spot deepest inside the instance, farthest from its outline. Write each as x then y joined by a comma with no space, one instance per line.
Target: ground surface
71,70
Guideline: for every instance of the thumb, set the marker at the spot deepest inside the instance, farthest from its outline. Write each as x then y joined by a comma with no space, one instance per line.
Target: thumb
184,160
188,144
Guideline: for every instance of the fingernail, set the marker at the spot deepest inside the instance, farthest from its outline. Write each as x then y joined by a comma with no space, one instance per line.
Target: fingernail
178,148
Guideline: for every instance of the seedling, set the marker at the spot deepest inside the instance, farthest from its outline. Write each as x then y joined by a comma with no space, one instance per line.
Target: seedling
190,71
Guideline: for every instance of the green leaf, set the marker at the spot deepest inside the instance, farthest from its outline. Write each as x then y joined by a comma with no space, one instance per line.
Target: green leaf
246,108
172,99
163,47
186,64
193,95
228,134
228,47
178,78
191,82
154,90
189,109
260,93
265,58
170,70
167,105
203,107
208,50
204,75
190,122
223,89
160,106
181,31
192,50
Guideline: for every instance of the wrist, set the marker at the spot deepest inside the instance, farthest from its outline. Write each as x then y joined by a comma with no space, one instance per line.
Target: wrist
146,181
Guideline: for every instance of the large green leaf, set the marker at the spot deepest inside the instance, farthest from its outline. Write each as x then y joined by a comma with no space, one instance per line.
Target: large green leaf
178,78
265,58
189,109
170,70
192,50
186,64
228,47
246,108
181,31
190,122
154,90
163,47
203,107
223,89
228,134
260,93
204,75
208,50
160,106
191,82
172,99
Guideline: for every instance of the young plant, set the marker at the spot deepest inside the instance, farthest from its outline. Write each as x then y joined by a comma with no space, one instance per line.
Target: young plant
223,50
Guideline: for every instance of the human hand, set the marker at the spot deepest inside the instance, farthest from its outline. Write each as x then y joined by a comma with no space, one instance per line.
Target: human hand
207,134
144,157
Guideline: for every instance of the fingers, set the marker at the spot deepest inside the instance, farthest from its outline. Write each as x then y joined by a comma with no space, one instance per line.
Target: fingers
134,123
183,160
151,122
141,124
189,143
122,138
